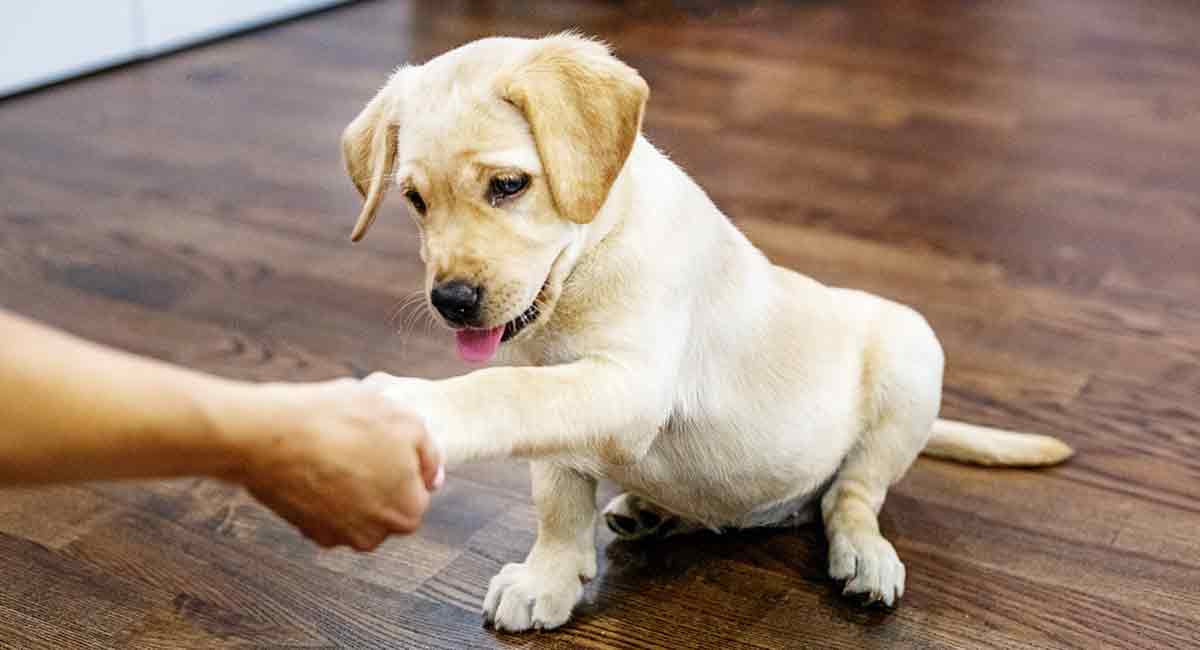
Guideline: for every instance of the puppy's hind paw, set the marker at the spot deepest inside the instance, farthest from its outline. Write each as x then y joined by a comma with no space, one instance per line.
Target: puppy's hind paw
869,565
631,517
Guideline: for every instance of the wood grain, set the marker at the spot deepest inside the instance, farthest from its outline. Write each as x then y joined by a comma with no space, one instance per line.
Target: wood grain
1023,173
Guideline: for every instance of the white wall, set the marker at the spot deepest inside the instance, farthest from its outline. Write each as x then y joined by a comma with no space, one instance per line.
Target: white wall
43,41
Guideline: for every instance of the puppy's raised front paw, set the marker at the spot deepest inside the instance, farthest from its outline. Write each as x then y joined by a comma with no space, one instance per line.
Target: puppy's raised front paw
522,597
421,398
869,565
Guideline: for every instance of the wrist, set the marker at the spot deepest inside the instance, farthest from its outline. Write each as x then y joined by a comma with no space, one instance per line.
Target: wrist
241,421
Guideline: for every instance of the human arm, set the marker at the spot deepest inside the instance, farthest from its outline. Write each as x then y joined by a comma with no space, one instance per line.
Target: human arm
335,459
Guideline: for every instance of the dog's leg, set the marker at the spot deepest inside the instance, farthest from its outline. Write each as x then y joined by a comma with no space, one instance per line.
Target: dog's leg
536,412
902,393
541,591
632,517
858,553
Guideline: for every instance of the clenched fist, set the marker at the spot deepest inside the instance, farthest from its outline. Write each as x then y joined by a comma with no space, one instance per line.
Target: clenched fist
338,460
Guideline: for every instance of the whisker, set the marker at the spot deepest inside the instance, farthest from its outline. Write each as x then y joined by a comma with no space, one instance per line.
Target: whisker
403,315
429,320
403,304
414,317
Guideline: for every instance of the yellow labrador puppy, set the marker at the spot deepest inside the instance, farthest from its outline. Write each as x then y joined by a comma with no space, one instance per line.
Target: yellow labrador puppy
644,338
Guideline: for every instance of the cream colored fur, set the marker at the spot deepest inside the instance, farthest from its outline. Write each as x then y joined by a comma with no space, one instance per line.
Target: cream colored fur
670,355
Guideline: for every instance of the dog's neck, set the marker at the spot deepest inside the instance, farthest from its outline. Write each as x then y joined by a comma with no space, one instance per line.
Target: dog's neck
593,265
655,222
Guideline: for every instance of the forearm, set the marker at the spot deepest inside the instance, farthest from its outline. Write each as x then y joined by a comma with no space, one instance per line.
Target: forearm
73,410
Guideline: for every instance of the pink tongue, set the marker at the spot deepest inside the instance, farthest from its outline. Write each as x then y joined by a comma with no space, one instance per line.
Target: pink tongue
478,346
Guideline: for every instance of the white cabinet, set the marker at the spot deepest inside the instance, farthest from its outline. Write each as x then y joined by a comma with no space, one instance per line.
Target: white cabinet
43,41
168,24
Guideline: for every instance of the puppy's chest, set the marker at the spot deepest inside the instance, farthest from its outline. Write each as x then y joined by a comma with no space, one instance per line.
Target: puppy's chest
715,474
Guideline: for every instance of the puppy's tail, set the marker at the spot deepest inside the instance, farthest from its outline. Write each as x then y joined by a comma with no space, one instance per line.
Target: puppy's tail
970,443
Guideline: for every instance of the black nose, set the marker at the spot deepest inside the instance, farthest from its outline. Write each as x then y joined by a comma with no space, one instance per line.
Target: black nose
458,302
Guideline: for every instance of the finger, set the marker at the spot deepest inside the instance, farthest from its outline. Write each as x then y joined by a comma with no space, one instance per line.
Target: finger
400,523
411,503
367,537
320,536
283,510
430,455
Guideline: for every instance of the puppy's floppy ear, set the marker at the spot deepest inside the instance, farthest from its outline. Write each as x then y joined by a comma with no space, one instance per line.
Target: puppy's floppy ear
585,110
369,152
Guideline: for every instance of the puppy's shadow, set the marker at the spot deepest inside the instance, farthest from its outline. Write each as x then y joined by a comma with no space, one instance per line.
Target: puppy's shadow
796,556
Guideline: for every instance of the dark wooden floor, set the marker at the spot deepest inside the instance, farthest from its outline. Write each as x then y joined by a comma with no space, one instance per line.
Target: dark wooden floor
1027,174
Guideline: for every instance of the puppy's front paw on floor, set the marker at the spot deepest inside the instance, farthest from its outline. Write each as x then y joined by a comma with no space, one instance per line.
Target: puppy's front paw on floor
522,597
869,565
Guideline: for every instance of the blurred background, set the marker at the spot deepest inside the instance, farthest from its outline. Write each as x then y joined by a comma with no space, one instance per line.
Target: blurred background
1026,174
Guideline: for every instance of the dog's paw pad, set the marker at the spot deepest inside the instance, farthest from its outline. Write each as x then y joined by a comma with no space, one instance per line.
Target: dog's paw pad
521,598
622,525
649,519
869,566
630,517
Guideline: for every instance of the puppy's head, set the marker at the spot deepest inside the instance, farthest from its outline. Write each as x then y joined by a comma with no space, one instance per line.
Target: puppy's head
504,150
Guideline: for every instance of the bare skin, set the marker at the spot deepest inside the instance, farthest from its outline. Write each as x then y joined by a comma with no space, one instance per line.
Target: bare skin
341,463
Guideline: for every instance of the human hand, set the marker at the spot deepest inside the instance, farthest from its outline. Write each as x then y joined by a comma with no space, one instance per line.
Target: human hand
338,460
421,399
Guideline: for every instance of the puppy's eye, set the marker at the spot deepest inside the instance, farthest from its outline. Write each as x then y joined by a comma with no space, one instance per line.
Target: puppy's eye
418,203
506,186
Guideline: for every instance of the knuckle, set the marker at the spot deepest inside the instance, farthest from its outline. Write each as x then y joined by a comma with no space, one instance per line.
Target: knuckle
322,539
404,524
368,540
405,528
422,502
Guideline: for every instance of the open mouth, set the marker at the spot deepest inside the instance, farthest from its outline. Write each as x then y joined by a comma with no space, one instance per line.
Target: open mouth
480,345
